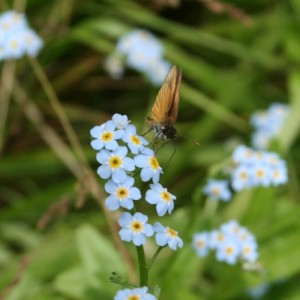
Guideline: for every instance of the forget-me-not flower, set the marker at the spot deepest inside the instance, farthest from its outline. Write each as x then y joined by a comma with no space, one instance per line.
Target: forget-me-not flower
121,194
267,124
231,243
135,228
134,294
134,142
149,165
217,190
16,37
229,251
114,164
200,243
121,121
167,236
160,196
106,136
141,51
257,168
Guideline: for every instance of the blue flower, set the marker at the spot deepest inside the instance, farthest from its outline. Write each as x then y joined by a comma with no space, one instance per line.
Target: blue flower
114,164
261,175
257,168
249,251
140,41
242,177
142,52
261,139
135,228
267,124
134,294
158,71
228,251
231,227
279,175
167,236
217,190
200,243
242,154
32,42
16,38
160,196
114,66
134,142
216,238
149,165
106,136
231,243
121,121
121,194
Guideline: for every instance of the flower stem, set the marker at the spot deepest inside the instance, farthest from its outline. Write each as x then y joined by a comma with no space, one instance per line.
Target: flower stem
154,256
142,266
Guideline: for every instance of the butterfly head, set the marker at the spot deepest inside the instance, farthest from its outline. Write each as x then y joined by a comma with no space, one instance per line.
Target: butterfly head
164,131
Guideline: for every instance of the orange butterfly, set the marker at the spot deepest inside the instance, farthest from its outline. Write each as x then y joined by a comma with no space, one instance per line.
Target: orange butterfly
165,109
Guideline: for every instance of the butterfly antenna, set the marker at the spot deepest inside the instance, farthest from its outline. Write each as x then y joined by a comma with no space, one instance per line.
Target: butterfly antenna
146,132
191,140
174,151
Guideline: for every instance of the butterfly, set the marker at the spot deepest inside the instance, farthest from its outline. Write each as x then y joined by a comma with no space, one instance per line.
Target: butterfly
165,108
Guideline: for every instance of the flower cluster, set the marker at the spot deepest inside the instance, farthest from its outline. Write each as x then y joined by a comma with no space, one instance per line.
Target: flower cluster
267,124
141,51
231,243
122,153
257,168
134,294
16,37
217,190
251,169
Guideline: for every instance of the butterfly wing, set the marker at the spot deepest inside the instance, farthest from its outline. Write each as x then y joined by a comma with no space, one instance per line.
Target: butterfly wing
175,89
165,108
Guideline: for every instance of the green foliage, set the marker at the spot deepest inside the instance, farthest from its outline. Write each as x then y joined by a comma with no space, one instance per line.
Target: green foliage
55,242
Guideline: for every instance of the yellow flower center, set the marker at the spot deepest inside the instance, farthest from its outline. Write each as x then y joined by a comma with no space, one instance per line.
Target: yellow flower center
248,154
134,297
135,140
220,237
172,233
247,250
153,163
5,26
122,193
229,250
260,173
273,161
165,196
136,226
115,162
216,191
276,174
107,136
14,44
200,244
243,175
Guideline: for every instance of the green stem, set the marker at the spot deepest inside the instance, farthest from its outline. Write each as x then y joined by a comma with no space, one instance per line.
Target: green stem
142,266
154,256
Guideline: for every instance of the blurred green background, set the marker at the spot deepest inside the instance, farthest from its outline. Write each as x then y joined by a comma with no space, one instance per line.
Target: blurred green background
237,57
